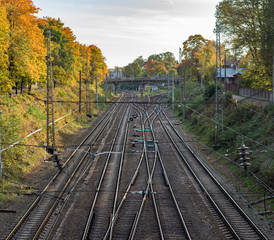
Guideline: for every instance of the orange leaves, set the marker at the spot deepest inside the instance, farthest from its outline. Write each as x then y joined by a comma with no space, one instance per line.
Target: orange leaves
25,46
155,68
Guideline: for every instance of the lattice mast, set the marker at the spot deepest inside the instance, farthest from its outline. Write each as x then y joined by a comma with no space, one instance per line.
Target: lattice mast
50,106
218,89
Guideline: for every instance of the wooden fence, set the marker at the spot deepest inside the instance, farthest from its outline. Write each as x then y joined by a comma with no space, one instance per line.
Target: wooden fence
256,93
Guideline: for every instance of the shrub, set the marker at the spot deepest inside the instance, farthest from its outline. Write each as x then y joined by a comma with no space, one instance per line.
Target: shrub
209,91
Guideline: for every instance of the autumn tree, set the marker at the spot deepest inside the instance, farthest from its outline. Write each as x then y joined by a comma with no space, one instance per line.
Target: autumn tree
26,52
191,47
5,82
206,57
166,58
155,68
96,63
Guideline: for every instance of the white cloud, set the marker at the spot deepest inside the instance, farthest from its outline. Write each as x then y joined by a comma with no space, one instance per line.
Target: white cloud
126,29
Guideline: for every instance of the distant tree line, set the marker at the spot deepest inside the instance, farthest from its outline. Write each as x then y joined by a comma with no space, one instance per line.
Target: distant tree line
23,49
156,64
247,30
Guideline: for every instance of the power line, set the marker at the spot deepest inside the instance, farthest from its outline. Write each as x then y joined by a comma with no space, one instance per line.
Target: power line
269,148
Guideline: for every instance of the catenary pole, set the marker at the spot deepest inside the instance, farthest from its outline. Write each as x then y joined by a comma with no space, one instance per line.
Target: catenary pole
106,79
80,90
184,100
172,90
273,77
96,91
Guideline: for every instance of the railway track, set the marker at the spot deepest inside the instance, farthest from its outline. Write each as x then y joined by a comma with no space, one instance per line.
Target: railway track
235,219
140,203
134,177
38,219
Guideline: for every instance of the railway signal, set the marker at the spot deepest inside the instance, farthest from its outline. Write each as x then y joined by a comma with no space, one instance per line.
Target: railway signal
244,159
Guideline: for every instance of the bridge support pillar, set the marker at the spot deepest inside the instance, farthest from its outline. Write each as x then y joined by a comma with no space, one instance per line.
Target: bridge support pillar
142,89
116,87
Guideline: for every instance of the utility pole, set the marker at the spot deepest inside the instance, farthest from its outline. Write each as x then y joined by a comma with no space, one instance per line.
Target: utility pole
168,87
1,165
172,90
50,107
110,84
225,74
106,79
202,86
96,92
184,97
80,90
180,55
88,105
273,77
191,69
218,89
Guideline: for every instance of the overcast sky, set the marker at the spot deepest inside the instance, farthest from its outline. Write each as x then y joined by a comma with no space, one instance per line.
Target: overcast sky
126,29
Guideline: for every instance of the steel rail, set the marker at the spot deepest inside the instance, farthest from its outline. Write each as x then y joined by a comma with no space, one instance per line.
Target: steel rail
169,185
235,235
149,187
37,200
60,196
205,167
119,177
138,215
91,212
133,179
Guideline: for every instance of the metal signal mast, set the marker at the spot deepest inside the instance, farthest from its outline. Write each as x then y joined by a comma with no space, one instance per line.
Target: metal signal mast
218,89
50,107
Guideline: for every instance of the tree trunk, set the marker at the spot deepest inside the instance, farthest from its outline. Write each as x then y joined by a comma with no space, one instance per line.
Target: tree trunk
16,88
29,88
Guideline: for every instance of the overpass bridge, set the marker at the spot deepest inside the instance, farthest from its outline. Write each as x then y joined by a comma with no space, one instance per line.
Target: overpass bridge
141,82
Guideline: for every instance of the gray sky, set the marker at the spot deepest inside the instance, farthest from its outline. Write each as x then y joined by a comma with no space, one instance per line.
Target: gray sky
126,29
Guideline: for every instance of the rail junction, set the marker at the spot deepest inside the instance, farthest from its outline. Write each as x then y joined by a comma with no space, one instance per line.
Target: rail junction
134,176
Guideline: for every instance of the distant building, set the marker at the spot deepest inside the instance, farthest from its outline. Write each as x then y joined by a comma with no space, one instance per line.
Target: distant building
230,77
115,74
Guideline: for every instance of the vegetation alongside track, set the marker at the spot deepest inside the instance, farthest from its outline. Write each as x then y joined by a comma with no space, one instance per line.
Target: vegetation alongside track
25,113
243,121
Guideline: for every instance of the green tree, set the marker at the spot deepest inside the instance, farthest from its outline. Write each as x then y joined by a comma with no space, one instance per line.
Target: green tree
248,24
141,61
62,45
132,69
